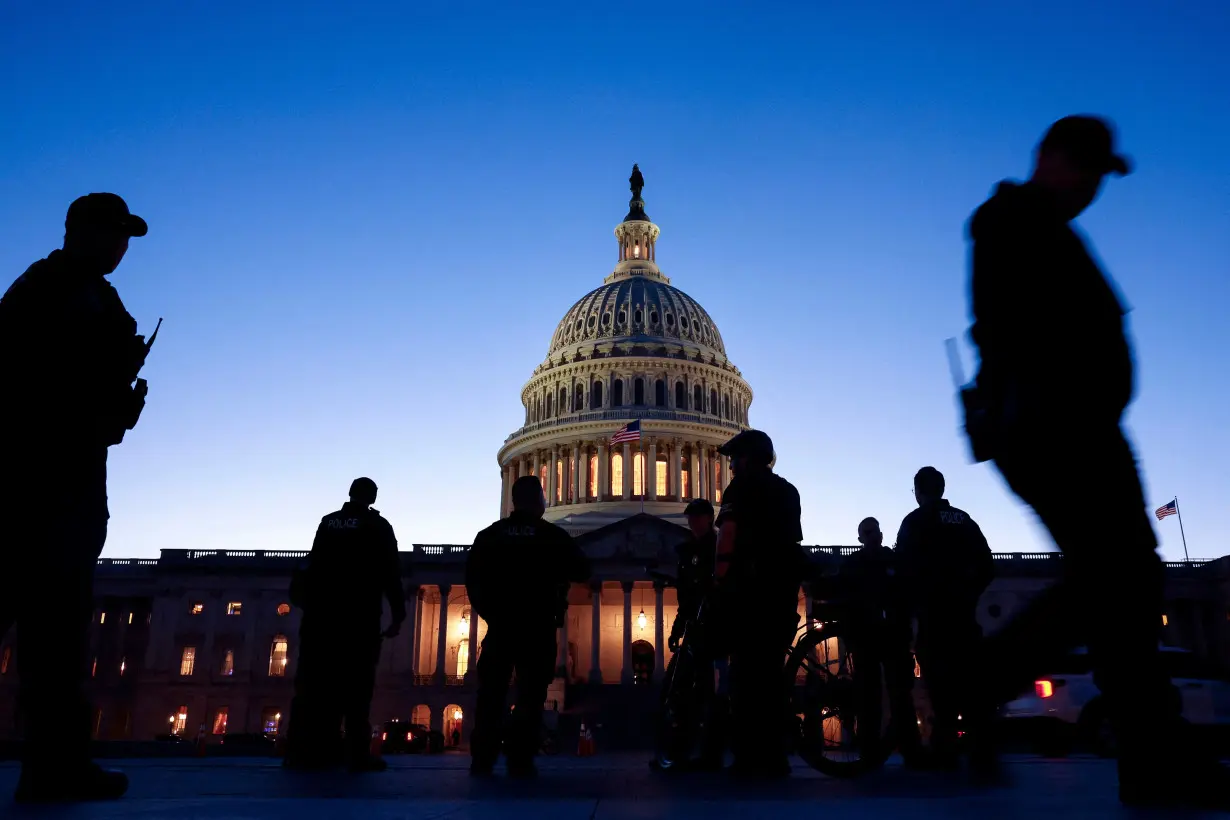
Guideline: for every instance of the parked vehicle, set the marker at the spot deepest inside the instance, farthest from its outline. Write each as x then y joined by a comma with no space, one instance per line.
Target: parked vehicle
1065,709
410,738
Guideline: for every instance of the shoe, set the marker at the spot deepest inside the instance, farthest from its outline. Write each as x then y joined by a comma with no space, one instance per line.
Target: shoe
90,783
369,763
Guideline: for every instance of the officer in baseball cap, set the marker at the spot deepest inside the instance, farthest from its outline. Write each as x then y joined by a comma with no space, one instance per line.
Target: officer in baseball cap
71,355
760,567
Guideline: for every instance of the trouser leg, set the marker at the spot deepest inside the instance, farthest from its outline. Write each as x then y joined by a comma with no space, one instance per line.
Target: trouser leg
899,678
313,734
868,682
358,685
1111,592
713,713
54,604
535,664
494,670
760,699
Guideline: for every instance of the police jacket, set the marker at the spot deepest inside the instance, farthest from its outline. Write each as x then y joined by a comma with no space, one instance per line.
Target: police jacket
943,561
1048,323
768,563
694,577
352,567
519,570
69,353
868,586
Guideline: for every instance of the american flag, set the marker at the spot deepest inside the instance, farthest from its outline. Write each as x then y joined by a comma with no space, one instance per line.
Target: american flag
1167,509
629,432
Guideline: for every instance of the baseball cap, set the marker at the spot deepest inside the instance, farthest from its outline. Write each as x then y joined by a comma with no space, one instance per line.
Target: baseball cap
754,444
105,211
1088,141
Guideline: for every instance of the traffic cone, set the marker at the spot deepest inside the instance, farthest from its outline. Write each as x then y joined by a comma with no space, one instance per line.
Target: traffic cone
377,745
200,741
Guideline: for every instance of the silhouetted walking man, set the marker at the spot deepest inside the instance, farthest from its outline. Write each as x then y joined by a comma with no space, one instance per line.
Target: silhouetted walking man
943,566
1055,378
880,635
69,353
517,576
352,567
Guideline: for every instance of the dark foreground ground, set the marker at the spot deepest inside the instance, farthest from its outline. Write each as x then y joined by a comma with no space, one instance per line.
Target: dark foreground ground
604,787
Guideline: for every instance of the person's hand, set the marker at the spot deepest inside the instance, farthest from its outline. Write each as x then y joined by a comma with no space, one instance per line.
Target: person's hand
393,631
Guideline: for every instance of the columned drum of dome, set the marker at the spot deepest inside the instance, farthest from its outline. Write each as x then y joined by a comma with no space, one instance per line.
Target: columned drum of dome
634,348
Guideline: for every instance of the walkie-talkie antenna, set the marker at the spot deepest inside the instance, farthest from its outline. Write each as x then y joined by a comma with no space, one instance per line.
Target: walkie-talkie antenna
153,335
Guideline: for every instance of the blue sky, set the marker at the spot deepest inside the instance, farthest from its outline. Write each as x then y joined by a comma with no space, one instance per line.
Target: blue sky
366,220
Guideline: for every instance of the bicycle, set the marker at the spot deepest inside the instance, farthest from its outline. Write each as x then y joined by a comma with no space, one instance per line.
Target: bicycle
677,714
831,737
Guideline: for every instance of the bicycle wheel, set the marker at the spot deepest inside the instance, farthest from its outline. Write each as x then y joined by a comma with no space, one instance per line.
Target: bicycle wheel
832,740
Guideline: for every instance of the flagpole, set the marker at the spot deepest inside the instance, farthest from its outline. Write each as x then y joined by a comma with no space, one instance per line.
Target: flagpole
1181,534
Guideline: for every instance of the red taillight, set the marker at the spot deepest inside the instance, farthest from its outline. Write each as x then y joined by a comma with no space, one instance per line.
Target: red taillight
1044,688
408,736
384,735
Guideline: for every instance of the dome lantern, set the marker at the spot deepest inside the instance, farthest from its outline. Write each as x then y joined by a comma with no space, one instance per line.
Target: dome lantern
637,237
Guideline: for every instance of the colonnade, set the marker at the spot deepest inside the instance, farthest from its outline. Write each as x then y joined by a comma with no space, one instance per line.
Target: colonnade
656,468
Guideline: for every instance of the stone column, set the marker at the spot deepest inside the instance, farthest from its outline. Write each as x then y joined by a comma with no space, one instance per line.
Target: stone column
627,469
472,646
626,677
416,629
595,639
552,481
651,471
725,472
604,469
442,644
538,464
578,486
676,458
694,473
561,651
659,634
583,473
504,485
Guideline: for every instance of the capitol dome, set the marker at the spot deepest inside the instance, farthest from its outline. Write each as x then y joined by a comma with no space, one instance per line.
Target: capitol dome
633,351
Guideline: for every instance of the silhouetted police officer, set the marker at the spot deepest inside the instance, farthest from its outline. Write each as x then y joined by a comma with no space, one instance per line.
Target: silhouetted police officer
880,634
694,581
760,567
352,567
944,564
1055,378
69,353
517,575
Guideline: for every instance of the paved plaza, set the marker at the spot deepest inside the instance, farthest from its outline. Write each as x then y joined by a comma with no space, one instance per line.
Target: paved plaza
604,787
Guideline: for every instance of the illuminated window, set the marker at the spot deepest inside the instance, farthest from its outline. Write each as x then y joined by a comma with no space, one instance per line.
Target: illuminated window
559,481
179,721
717,481
638,474
593,476
228,664
4,660
661,479
283,609
617,473
463,657
271,721
220,722
234,608
685,478
187,661
94,668
278,656
197,609
129,617
1165,620
123,666
102,618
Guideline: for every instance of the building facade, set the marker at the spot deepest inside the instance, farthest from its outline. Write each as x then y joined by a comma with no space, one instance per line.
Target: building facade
208,640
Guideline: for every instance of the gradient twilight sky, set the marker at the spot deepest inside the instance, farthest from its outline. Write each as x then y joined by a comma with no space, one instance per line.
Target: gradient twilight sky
366,220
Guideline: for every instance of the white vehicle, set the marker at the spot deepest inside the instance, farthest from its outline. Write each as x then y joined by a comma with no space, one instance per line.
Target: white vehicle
1065,709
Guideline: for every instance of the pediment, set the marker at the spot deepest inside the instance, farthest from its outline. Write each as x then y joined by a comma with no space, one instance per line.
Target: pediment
639,539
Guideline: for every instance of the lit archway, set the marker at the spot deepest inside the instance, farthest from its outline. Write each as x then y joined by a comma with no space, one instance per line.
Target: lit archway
642,662
454,719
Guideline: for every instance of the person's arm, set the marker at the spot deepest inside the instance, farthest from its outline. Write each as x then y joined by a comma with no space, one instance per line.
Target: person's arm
476,578
907,561
301,578
727,525
983,560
